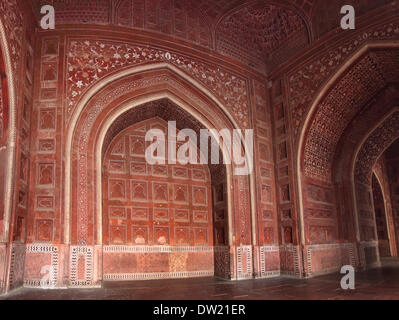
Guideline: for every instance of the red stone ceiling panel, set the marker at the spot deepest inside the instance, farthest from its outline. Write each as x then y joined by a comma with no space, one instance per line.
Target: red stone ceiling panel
260,27
259,30
326,14
258,33
376,143
176,18
82,11
254,30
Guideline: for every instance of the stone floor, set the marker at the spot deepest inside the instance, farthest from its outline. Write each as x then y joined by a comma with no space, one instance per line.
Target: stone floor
376,284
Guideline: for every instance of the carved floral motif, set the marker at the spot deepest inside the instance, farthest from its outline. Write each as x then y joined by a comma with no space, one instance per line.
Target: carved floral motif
90,61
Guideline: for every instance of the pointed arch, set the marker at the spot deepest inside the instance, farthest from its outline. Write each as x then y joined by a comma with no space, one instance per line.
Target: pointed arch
200,95
11,143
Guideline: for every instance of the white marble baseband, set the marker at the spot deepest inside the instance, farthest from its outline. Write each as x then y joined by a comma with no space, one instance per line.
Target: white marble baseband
158,275
121,249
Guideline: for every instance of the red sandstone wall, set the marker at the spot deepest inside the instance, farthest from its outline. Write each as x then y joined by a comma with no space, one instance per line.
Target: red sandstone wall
164,210
287,213
68,63
64,77
393,181
383,175
328,233
381,220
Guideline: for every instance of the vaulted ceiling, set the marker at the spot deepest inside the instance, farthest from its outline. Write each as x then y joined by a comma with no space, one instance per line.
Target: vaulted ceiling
351,95
258,33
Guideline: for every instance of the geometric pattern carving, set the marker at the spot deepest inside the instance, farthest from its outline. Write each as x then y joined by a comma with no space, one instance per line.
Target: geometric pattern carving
46,145
48,94
140,235
201,236
181,215
244,262
289,260
139,190
160,192
306,80
81,266
222,261
117,212
346,99
47,119
134,212
44,202
178,19
17,265
117,234
199,195
44,230
322,259
37,250
181,193
266,194
158,275
49,71
121,262
375,144
268,235
168,203
46,174
117,189
269,257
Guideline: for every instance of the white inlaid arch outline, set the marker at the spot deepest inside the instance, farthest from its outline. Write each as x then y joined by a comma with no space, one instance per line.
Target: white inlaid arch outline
353,167
120,111
11,150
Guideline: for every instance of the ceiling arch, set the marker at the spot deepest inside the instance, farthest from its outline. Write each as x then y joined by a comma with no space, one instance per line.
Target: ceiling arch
364,79
376,111
259,32
377,142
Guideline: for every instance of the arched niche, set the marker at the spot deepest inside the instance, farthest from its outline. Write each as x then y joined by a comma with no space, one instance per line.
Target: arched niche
340,119
88,129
